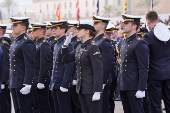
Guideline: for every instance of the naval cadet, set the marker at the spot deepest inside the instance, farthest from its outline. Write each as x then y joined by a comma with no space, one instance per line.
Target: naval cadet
159,74
109,33
52,40
42,67
89,68
61,79
133,66
105,47
5,102
21,75
76,107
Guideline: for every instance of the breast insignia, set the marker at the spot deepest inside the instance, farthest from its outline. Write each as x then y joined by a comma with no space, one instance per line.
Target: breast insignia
25,38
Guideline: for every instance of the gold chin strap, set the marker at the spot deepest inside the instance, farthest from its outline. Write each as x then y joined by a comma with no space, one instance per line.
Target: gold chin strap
128,20
57,24
16,22
97,20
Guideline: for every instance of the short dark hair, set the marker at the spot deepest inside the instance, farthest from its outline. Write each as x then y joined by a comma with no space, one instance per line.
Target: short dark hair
152,16
64,27
26,24
44,30
136,23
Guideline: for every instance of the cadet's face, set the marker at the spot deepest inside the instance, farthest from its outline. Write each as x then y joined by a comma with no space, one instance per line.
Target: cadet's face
17,29
97,26
127,27
36,33
107,35
81,33
57,31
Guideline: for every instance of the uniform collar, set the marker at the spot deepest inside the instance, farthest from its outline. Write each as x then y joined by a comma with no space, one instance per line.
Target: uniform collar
40,40
86,43
131,37
20,36
99,37
61,39
51,38
74,38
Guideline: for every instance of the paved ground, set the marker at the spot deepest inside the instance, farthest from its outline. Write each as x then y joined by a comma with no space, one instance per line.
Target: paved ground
118,108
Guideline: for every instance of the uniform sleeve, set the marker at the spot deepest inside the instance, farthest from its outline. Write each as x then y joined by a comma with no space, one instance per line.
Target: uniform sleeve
96,61
67,56
106,51
142,54
1,64
45,55
69,71
5,49
29,58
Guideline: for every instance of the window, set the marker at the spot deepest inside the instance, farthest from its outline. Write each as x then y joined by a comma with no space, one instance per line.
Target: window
54,6
106,2
65,5
119,2
70,5
94,3
47,6
86,3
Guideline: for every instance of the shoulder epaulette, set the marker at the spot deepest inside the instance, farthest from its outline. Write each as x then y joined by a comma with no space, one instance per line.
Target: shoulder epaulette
25,38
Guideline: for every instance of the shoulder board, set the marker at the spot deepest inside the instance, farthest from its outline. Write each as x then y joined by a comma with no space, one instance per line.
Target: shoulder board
44,40
104,37
55,38
138,39
25,38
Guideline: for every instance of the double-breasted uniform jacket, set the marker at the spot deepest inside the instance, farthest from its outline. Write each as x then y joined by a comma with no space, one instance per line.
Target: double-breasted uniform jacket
114,60
62,72
105,47
1,66
159,60
89,67
52,41
22,57
42,61
134,64
75,41
5,48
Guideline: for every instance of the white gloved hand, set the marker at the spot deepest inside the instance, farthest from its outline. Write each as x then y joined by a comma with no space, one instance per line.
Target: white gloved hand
2,86
104,86
25,90
74,82
140,94
68,39
63,89
40,86
96,96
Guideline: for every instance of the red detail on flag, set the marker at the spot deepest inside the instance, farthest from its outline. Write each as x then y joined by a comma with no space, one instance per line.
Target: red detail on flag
78,10
58,13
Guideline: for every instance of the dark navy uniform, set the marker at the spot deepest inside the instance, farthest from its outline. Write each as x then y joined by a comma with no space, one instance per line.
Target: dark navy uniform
61,77
22,57
89,74
75,101
6,99
42,72
52,41
105,47
159,73
133,72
